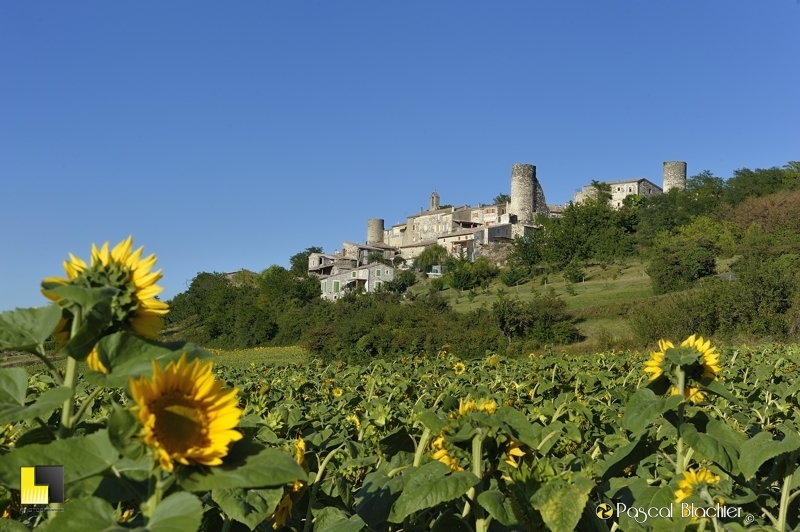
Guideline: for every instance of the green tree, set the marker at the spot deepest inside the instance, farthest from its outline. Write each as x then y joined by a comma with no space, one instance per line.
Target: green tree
502,198
299,261
431,256
679,261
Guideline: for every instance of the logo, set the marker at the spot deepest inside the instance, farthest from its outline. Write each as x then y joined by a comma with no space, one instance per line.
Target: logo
604,511
41,484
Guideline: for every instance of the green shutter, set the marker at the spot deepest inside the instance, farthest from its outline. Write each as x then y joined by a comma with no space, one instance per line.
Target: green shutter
336,286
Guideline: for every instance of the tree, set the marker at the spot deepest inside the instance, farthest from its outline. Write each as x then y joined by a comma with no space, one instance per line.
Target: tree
502,198
431,256
299,261
602,191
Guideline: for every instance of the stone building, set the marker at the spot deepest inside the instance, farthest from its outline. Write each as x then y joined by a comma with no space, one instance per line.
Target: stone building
674,176
368,278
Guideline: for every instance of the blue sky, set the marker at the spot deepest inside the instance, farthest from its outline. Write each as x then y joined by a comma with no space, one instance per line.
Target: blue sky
228,136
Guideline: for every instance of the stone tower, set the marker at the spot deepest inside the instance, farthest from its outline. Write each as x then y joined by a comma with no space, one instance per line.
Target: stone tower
527,196
674,175
374,230
434,201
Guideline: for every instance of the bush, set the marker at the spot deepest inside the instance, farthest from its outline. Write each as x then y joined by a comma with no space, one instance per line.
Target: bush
679,261
573,273
513,276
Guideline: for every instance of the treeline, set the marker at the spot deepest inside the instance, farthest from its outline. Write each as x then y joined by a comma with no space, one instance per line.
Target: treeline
276,307
753,218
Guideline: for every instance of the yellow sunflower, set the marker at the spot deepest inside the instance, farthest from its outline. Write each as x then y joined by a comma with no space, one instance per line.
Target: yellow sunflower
126,270
693,481
459,368
295,492
691,393
440,453
94,363
186,414
493,361
656,362
337,392
708,355
513,452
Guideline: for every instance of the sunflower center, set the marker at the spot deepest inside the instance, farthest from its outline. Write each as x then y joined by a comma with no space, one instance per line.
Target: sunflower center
180,424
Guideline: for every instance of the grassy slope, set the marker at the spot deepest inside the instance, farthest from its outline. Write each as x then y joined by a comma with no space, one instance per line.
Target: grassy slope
599,304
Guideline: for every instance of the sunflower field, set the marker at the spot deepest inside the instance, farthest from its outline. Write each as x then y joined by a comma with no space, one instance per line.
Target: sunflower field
138,434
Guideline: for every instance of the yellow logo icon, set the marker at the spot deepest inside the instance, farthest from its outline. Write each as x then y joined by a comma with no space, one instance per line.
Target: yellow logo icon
604,510
41,484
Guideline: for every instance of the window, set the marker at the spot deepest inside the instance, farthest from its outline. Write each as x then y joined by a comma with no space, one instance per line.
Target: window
386,272
336,286
324,286
618,189
353,274
377,284
378,273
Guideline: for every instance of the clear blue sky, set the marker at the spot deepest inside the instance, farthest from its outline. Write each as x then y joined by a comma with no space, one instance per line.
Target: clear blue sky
227,136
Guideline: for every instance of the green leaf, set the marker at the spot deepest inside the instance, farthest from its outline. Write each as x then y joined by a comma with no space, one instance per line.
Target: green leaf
84,514
249,466
627,455
94,325
561,503
24,329
7,525
642,409
44,405
332,519
429,486
82,457
87,298
127,356
180,512
720,450
498,506
378,494
717,388
122,427
432,422
251,506
13,385
761,448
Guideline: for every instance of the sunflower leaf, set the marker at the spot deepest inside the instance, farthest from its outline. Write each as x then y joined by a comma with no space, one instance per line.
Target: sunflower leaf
428,486
180,512
15,410
257,467
79,515
24,329
248,506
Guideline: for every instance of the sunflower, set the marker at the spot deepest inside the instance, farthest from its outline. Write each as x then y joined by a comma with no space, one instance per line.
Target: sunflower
656,362
514,451
459,368
295,492
691,393
493,361
352,418
708,355
440,453
337,392
693,481
186,414
94,363
135,304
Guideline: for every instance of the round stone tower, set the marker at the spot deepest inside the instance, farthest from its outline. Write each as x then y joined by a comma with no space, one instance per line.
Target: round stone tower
523,185
674,175
374,230
434,201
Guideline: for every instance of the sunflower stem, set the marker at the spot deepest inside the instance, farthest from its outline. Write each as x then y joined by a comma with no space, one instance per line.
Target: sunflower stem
783,511
82,409
680,459
423,442
69,380
42,355
315,486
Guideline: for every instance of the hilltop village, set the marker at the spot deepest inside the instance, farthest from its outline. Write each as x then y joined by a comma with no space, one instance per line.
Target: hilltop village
471,231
